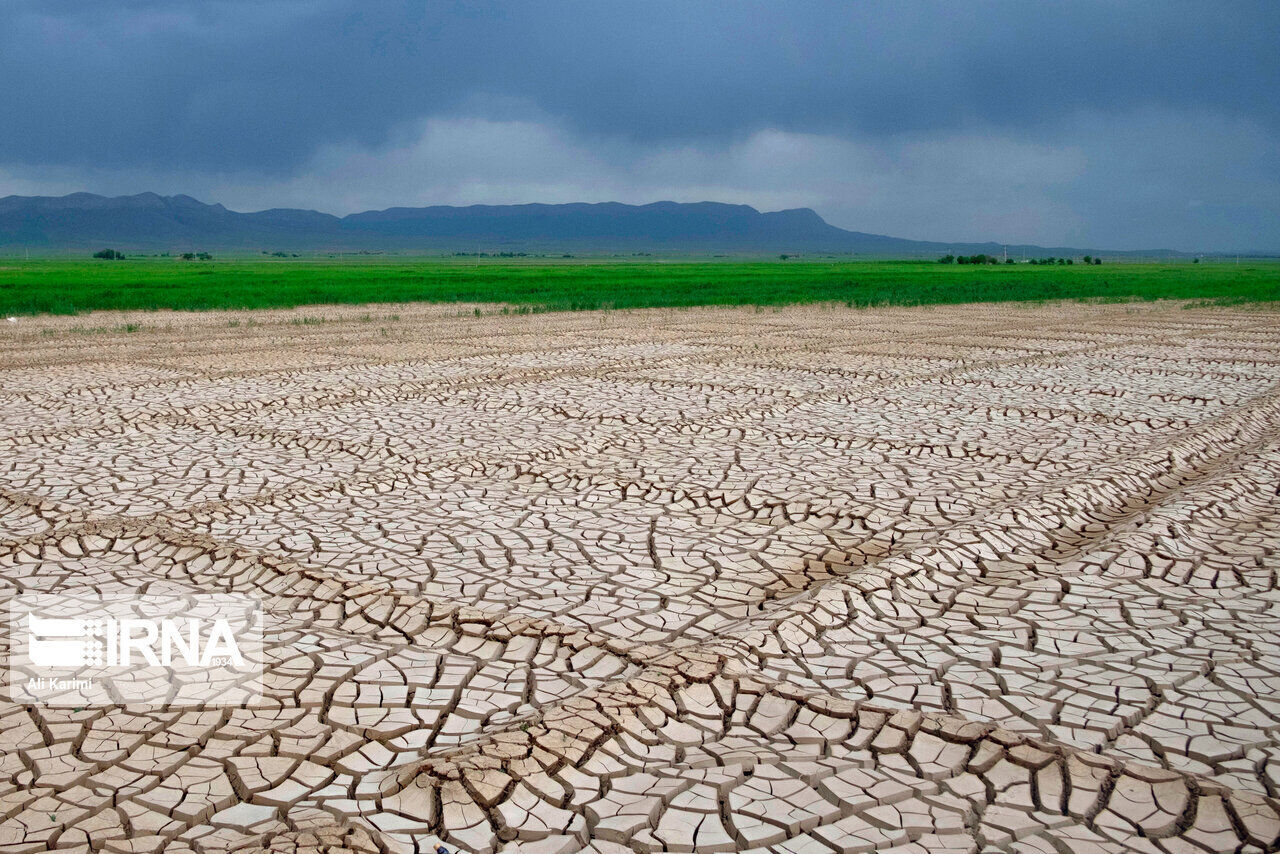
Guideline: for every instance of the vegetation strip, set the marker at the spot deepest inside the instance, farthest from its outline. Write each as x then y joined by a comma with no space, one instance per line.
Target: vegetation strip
68,287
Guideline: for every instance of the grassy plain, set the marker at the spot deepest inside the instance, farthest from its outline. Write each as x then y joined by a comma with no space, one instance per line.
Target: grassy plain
73,286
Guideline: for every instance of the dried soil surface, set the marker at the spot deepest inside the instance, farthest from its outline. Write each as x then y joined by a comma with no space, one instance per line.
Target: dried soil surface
977,578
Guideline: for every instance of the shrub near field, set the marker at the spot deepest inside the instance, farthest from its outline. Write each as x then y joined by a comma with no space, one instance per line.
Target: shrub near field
65,287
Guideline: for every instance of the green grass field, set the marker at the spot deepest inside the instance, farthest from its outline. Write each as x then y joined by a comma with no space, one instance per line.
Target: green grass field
66,287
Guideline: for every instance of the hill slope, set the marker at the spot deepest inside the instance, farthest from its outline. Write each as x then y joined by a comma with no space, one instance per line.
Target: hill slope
150,222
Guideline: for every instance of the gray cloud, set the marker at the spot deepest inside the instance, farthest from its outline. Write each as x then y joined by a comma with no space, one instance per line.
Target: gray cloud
1112,124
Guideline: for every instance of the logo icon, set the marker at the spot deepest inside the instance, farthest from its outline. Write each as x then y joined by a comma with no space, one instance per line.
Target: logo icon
85,649
64,643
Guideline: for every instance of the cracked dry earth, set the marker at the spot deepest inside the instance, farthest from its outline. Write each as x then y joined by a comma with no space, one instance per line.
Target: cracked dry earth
811,580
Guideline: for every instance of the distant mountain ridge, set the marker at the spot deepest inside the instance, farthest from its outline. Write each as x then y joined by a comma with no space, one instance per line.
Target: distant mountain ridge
154,223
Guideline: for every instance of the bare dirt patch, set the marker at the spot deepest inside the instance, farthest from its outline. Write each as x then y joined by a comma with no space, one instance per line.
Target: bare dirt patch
812,579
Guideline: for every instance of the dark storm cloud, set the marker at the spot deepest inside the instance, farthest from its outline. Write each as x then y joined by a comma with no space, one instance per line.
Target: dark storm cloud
262,83
258,87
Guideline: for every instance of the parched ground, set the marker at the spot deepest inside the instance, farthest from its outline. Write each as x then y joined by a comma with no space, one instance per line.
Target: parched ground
980,578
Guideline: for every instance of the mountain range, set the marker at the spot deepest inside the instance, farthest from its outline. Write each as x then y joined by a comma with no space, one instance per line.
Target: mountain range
148,222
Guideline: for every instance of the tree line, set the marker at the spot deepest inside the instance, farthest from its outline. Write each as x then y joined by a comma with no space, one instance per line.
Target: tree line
983,258
116,255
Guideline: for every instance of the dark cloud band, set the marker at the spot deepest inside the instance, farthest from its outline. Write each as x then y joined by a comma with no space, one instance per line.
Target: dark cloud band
260,87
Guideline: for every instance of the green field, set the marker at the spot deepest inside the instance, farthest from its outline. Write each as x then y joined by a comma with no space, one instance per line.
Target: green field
67,287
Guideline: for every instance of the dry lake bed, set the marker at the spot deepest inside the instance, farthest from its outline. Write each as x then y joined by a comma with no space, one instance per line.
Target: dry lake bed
951,579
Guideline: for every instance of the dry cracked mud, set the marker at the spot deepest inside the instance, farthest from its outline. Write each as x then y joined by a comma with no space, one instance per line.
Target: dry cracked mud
806,580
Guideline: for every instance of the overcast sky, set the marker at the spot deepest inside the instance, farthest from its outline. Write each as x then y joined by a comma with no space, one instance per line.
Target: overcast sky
1101,124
